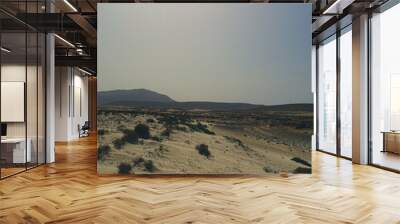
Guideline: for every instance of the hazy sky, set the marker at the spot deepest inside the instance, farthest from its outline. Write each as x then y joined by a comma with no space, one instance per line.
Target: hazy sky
253,53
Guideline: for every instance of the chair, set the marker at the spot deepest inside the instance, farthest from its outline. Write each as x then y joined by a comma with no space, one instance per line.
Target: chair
84,130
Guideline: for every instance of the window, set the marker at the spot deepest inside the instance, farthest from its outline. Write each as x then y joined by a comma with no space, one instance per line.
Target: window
327,95
346,92
385,89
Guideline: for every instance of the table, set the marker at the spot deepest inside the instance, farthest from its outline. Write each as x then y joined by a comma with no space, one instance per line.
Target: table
13,150
391,141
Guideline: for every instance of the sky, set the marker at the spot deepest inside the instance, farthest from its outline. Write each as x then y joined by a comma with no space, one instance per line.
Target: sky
251,53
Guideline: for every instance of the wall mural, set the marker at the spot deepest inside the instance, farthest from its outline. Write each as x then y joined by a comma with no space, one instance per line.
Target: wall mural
204,89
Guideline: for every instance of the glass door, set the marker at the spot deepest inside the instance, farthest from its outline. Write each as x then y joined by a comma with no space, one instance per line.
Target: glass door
14,153
22,78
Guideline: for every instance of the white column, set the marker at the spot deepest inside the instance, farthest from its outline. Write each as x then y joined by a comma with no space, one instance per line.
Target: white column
360,90
50,99
50,92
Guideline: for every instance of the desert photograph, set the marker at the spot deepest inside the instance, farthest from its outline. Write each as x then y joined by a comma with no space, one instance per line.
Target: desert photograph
224,91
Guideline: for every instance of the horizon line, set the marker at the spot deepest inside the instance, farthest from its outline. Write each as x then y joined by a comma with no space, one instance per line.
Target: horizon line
199,101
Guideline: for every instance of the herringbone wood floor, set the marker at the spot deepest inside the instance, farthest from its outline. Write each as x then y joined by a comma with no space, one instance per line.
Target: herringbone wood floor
70,191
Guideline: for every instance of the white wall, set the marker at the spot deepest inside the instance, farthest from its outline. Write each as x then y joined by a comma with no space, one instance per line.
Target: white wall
71,102
10,73
80,110
16,73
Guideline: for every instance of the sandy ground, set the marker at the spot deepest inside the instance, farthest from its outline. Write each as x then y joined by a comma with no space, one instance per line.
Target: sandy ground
235,149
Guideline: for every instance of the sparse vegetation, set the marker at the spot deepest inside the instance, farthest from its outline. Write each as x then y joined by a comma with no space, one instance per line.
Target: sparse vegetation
301,161
173,131
169,121
302,170
121,128
199,127
268,169
235,141
161,148
156,138
118,143
101,132
179,123
130,136
181,128
166,132
202,149
103,151
150,120
142,131
137,161
304,125
149,166
124,168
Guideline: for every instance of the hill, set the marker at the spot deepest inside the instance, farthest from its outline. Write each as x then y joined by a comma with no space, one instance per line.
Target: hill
143,98
132,95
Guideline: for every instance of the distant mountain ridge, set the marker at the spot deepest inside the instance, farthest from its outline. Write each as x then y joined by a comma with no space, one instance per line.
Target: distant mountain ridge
107,97
144,98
